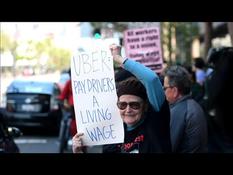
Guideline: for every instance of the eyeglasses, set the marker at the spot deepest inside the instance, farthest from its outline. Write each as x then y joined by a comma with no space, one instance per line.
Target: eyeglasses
134,105
165,88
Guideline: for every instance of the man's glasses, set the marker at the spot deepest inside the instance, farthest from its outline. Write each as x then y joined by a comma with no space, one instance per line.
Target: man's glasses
134,105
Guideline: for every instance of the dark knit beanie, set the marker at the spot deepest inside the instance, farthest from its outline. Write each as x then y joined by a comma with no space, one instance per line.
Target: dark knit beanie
131,87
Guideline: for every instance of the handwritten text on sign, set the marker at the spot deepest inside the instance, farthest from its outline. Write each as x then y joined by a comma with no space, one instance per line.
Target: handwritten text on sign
95,98
143,45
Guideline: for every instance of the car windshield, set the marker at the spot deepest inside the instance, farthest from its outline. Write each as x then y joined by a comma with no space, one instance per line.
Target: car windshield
30,87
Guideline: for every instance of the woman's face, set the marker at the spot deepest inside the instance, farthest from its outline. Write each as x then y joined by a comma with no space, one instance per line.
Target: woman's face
131,108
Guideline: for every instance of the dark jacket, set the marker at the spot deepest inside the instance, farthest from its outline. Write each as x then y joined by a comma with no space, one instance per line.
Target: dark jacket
188,126
151,136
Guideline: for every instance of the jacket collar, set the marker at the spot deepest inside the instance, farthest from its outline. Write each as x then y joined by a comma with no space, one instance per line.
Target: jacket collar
183,98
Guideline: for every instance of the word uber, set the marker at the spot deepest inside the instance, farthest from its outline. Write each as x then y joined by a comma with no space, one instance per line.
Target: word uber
97,61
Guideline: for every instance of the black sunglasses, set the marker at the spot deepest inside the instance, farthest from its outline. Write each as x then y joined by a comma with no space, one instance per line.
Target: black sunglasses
134,105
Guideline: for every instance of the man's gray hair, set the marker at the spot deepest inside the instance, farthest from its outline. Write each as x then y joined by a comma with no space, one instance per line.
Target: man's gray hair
179,77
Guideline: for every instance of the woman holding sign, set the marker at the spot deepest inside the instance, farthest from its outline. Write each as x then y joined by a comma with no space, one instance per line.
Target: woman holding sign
143,109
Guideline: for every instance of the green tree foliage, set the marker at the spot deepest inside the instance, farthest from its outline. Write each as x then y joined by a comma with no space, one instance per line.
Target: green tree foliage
9,44
183,33
186,32
59,58
6,42
167,33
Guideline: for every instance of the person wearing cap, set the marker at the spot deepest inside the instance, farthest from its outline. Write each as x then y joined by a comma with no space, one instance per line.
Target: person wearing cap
143,109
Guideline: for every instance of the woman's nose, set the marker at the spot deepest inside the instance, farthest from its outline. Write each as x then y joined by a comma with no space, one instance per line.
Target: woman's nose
128,108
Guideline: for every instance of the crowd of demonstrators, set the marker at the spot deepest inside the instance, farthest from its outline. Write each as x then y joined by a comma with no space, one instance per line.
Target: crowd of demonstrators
192,102
143,109
188,122
218,90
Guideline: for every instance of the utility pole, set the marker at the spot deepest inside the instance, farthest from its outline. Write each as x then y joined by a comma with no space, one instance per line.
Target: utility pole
208,37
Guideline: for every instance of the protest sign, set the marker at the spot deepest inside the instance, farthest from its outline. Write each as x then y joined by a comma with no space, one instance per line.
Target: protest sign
143,45
94,93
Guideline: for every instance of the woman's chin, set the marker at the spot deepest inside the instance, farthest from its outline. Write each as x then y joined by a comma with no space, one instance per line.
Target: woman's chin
130,122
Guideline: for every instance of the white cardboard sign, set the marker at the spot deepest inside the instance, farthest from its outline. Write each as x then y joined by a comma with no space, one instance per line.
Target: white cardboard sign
94,93
143,45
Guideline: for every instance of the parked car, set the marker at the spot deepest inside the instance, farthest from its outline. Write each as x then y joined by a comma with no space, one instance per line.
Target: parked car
7,135
33,104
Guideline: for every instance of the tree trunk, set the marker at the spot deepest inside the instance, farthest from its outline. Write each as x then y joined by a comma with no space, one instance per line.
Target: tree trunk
230,29
208,37
170,42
